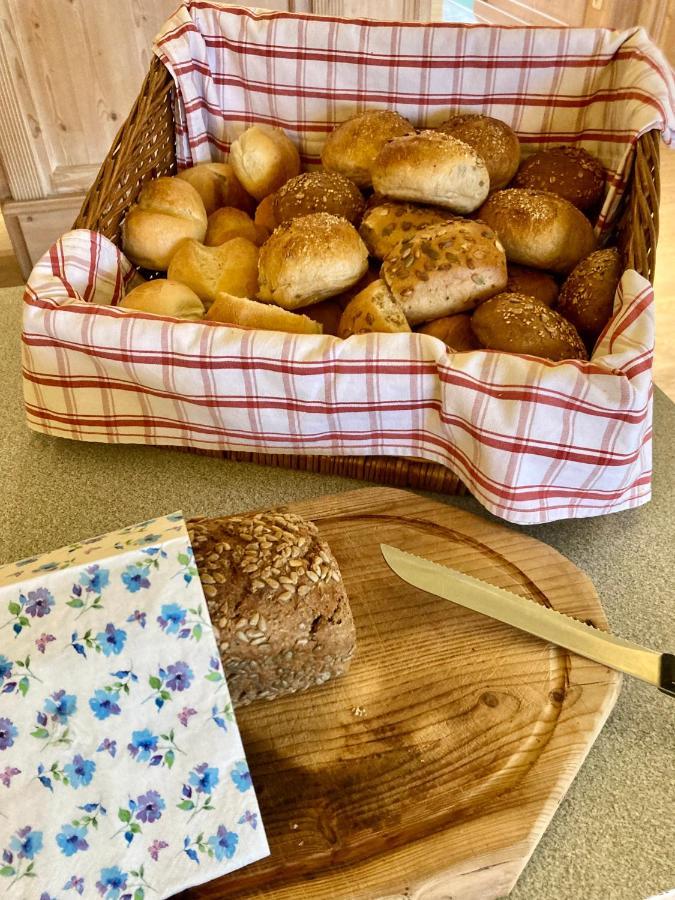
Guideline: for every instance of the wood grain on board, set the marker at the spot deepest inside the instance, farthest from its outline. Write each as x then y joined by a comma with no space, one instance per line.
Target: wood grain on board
433,767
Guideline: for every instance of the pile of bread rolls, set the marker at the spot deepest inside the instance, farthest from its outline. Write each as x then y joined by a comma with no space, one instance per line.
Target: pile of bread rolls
443,231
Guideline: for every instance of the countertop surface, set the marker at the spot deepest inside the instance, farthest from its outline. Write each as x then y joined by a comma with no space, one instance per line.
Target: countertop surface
613,836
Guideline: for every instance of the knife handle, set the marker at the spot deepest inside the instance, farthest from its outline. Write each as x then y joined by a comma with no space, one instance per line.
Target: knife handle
667,674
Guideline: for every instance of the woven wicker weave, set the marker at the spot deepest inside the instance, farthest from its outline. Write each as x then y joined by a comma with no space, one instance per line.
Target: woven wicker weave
144,148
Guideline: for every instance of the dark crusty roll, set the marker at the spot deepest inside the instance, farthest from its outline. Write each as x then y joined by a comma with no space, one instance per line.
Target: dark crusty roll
279,609
314,192
570,172
455,331
538,228
532,282
587,297
520,324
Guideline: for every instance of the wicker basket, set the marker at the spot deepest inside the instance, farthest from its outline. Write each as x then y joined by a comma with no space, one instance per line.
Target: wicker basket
144,148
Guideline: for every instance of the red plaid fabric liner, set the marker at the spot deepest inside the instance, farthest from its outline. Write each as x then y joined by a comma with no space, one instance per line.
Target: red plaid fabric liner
533,440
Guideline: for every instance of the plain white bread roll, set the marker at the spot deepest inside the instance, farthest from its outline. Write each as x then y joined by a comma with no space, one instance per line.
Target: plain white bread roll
230,267
539,229
309,259
251,314
432,167
217,185
264,158
163,297
167,211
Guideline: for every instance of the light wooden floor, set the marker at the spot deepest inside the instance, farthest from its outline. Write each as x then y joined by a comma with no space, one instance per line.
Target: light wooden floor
664,362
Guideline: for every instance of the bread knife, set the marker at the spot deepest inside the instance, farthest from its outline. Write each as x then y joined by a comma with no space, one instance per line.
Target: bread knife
549,624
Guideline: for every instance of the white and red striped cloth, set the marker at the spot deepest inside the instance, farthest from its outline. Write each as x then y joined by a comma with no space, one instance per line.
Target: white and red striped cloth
533,440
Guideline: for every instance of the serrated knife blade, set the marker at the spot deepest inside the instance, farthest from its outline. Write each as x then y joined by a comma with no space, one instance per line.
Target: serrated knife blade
549,624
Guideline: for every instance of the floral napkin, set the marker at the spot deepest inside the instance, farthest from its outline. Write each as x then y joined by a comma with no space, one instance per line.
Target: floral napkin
122,773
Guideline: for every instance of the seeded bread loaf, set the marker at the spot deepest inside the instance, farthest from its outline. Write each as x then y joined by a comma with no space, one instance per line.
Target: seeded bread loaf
279,609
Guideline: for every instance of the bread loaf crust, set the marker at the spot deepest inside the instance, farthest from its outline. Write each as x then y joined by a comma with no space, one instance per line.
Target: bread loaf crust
277,602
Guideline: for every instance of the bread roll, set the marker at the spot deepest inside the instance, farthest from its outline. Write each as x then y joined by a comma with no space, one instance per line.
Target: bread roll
227,223
167,211
455,331
539,229
570,172
496,144
371,274
587,297
279,609
264,214
532,282
231,267
217,185
326,314
432,167
264,158
309,259
385,225
163,297
374,309
250,313
318,192
445,269
520,324
353,145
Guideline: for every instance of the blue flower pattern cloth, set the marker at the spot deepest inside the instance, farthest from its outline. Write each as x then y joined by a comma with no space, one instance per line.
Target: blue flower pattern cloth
122,773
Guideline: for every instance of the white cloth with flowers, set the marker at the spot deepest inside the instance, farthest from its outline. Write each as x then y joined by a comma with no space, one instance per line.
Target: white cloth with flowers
122,773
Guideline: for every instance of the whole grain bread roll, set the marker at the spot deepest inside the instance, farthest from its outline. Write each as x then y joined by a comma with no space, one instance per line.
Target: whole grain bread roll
432,167
229,222
454,331
587,296
230,267
264,158
374,309
445,269
309,259
167,211
252,314
493,140
387,223
314,192
571,172
520,324
352,146
533,282
538,228
217,185
277,602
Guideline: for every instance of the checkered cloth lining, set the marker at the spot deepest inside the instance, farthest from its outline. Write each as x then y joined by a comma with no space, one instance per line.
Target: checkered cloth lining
533,440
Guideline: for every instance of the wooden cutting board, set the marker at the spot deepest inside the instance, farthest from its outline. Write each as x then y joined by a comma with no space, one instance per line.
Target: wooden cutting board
433,768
